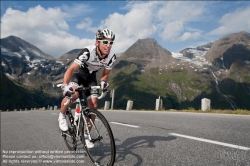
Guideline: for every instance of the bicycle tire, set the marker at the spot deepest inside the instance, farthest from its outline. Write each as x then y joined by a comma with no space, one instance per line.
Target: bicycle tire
104,150
70,135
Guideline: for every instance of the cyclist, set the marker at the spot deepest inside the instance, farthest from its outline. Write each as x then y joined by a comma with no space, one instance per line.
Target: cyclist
83,71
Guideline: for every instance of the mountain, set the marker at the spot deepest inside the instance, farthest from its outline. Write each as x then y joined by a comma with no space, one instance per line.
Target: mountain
183,79
217,70
228,49
148,53
28,65
71,55
16,96
22,48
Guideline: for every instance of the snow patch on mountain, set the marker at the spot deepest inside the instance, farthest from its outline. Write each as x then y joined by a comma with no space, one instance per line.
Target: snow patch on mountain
22,53
247,62
60,62
9,76
34,51
198,57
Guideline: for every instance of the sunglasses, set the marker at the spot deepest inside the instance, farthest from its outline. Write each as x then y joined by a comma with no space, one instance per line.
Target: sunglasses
105,42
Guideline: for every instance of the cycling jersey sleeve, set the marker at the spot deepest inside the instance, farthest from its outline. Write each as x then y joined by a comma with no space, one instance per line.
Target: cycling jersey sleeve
111,62
82,57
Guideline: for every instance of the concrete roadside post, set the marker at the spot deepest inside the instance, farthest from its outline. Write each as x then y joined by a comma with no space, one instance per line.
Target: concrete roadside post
158,104
129,105
106,106
205,104
113,97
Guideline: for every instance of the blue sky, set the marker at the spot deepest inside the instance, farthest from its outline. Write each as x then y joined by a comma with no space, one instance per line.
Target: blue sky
57,27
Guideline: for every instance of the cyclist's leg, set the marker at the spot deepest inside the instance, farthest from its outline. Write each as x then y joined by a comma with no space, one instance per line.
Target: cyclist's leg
92,96
62,121
92,104
65,107
74,82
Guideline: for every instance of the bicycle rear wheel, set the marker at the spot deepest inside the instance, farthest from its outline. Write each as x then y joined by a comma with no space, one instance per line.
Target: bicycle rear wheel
70,135
104,151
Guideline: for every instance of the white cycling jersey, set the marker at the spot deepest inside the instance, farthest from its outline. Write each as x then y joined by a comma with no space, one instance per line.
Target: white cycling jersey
88,59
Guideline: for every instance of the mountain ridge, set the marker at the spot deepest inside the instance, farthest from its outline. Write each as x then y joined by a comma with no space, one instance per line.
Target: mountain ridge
146,71
17,44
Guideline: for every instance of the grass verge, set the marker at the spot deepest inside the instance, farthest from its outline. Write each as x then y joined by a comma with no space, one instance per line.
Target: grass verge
238,111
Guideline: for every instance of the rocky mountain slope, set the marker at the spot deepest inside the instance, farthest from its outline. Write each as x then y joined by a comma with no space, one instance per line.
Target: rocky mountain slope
228,49
218,70
17,96
183,79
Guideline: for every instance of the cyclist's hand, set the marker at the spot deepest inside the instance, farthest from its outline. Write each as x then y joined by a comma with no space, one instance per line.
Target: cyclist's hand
104,86
67,90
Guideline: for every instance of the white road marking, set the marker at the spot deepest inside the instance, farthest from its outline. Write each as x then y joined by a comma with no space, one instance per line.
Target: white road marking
211,141
123,124
54,113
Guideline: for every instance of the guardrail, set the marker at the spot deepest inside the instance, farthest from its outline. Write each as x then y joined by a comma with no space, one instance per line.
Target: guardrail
205,105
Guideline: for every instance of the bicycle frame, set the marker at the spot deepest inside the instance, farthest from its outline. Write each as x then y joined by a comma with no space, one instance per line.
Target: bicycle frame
95,125
82,100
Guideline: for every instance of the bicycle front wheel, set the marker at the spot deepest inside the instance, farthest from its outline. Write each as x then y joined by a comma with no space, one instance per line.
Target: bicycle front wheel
69,136
103,152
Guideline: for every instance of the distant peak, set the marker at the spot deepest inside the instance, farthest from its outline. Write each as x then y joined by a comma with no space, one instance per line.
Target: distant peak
11,36
147,40
242,32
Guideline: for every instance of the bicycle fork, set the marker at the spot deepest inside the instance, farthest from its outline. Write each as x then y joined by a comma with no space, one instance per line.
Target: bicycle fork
90,123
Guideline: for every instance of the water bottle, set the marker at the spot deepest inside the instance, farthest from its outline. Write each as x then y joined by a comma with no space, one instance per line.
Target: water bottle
77,113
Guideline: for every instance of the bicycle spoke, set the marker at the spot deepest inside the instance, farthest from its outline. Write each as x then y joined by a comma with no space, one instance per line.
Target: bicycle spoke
101,135
69,136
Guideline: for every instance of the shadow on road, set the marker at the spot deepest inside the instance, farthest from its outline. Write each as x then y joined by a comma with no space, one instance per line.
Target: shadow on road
130,144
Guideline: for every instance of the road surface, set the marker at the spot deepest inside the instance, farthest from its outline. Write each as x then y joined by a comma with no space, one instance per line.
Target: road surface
144,138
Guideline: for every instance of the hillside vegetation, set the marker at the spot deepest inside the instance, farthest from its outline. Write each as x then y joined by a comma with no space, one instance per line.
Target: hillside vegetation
14,96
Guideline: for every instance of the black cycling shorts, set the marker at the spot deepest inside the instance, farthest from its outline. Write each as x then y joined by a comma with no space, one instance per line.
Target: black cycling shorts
81,77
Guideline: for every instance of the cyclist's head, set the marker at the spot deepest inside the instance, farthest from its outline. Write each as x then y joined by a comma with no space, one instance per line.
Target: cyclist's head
104,41
105,33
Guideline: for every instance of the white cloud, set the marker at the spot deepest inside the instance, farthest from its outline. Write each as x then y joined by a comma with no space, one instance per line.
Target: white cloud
49,28
45,28
174,16
233,22
171,30
145,19
188,36
86,24
135,24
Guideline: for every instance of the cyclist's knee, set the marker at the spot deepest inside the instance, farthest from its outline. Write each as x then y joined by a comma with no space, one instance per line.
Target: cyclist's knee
92,103
75,96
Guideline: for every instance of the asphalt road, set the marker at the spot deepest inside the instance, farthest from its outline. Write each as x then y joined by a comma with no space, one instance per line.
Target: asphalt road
142,138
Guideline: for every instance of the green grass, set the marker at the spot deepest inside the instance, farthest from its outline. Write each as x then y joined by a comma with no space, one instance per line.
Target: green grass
238,111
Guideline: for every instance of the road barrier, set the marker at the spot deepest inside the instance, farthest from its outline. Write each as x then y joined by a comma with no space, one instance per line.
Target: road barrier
205,104
129,105
106,106
158,104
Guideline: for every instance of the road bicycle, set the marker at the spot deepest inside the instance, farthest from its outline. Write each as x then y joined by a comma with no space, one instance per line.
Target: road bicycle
96,126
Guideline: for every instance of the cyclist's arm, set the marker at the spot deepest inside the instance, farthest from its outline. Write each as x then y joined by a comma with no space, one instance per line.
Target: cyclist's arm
108,68
82,57
105,75
68,74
